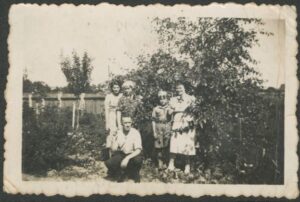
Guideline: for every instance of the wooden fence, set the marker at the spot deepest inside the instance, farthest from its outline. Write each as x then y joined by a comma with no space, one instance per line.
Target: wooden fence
93,103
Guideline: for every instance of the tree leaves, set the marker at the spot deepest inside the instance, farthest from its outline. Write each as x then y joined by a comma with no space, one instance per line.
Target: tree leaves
77,72
212,57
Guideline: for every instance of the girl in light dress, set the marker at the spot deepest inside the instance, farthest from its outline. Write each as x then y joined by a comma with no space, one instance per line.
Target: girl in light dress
110,106
161,128
183,136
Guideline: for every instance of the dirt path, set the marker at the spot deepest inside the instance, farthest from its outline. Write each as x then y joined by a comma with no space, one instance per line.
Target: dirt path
96,170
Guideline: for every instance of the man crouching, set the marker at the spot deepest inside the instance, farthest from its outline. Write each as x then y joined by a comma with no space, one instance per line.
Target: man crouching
127,160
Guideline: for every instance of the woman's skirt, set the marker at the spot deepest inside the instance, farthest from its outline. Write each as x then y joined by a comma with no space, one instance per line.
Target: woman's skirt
183,138
163,131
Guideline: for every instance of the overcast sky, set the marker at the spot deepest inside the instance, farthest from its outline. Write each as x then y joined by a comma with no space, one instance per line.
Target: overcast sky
112,38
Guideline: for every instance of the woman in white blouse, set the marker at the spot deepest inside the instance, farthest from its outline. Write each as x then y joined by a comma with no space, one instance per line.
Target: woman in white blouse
110,106
183,130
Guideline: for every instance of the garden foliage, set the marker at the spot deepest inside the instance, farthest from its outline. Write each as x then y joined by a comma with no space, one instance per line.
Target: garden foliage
239,123
45,138
49,142
236,117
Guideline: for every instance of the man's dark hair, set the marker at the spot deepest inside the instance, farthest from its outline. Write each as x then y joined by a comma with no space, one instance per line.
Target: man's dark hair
126,115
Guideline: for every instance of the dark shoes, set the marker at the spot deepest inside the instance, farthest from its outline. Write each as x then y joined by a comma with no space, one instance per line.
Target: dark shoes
110,176
121,177
137,179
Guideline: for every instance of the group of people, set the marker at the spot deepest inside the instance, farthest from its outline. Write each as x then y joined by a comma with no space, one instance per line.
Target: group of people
173,130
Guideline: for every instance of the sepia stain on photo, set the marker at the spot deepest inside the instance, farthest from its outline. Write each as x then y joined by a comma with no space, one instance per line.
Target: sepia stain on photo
149,97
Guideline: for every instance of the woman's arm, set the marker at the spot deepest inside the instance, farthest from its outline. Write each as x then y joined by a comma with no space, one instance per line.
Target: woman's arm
171,107
119,124
118,111
154,131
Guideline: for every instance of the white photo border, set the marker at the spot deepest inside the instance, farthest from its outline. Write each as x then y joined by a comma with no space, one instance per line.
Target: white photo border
13,130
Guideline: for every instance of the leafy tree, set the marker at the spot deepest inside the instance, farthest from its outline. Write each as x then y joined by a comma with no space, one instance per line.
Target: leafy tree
27,86
38,88
61,89
221,69
212,57
77,72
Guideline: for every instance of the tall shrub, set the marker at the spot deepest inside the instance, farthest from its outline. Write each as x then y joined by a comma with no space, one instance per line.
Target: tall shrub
77,72
45,139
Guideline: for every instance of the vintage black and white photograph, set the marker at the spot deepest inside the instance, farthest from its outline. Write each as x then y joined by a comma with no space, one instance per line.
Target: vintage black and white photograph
137,95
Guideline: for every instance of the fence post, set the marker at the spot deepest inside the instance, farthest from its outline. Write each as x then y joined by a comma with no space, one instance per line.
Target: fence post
73,115
30,100
82,102
59,95
81,107
37,108
43,104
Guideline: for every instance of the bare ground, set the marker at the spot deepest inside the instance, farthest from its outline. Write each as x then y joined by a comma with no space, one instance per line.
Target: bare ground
96,170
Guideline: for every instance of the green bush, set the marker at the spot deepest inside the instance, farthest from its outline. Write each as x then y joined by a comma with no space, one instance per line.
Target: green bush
45,138
49,142
89,138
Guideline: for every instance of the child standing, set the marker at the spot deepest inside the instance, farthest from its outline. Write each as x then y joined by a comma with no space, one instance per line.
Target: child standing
161,128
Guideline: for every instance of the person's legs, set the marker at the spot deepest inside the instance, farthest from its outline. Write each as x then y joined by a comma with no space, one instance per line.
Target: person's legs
134,167
159,155
113,164
187,167
172,162
164,156
190,142
160,158
173,150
